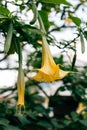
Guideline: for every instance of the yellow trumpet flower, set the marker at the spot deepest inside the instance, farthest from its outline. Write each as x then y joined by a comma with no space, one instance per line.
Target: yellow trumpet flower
80,107
68,20
49,71
21,87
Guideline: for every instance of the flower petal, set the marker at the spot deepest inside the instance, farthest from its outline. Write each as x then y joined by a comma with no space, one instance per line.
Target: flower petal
45,76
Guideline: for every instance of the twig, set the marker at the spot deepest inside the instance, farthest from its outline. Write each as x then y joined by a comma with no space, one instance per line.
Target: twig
3,58
2,90
1,52
8,68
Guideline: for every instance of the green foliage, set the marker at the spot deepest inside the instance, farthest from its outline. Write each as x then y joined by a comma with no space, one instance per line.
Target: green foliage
8,38
4,11
76,20
35,12
56,2
44,17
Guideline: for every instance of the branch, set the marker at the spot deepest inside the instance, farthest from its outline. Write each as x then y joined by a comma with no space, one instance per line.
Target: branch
3,58
1,52
59,28
15,68
2,90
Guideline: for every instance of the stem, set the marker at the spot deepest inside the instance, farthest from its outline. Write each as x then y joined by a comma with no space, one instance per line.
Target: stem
43,91
41,24
20,55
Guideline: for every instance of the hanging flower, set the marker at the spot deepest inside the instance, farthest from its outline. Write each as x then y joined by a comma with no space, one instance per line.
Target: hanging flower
49,71
21,87
80,107
68,20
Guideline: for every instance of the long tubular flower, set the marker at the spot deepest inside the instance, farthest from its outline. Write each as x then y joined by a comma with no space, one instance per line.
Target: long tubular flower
49,71
20,81
21,87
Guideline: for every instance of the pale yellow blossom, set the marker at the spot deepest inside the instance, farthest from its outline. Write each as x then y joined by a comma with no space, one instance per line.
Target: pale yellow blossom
68,20
49,71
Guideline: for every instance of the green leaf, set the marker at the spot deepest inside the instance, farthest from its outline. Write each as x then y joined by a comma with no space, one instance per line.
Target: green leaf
3,121
13,48
44,124
76,20
23,120
22,7
10,127
83,122
2,16
82,43
29,30
56,2
8,38
85,34
55,123
35,12
74,116
4,11
44,17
